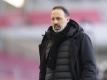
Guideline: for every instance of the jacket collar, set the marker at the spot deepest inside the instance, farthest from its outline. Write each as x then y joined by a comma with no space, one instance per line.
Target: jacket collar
74,29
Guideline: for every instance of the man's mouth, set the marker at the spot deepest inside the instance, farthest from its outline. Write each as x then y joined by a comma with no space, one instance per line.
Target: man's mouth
57,27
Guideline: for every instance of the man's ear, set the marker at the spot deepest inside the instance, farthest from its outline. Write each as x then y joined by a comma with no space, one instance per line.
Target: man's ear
68,18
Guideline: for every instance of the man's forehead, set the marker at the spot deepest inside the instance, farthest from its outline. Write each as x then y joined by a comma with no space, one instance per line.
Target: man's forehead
57,12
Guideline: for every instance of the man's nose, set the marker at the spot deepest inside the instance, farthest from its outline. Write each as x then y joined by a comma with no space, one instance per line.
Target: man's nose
55,21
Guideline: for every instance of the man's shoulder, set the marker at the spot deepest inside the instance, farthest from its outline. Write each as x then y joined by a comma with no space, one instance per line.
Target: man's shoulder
84,37
82,34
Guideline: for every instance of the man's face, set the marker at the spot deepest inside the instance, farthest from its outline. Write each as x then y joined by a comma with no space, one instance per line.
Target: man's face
58,19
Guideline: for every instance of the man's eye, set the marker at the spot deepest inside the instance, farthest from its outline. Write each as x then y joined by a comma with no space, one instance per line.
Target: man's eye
58,18
52,19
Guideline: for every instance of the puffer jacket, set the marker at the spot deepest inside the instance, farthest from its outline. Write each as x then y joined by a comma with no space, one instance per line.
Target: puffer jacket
74,60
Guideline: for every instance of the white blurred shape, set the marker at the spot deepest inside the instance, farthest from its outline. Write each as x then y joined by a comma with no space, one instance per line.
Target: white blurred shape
16,3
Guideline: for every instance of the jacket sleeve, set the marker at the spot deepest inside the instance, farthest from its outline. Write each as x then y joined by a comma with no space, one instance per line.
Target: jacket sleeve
42,61
87,58
41,66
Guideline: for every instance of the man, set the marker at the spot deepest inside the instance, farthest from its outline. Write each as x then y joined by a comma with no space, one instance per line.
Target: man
66,52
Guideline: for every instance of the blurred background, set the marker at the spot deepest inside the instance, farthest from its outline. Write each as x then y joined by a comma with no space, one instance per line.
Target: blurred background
23,22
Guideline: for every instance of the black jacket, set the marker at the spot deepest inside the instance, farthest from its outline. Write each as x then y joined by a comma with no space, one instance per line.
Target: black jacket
79,48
